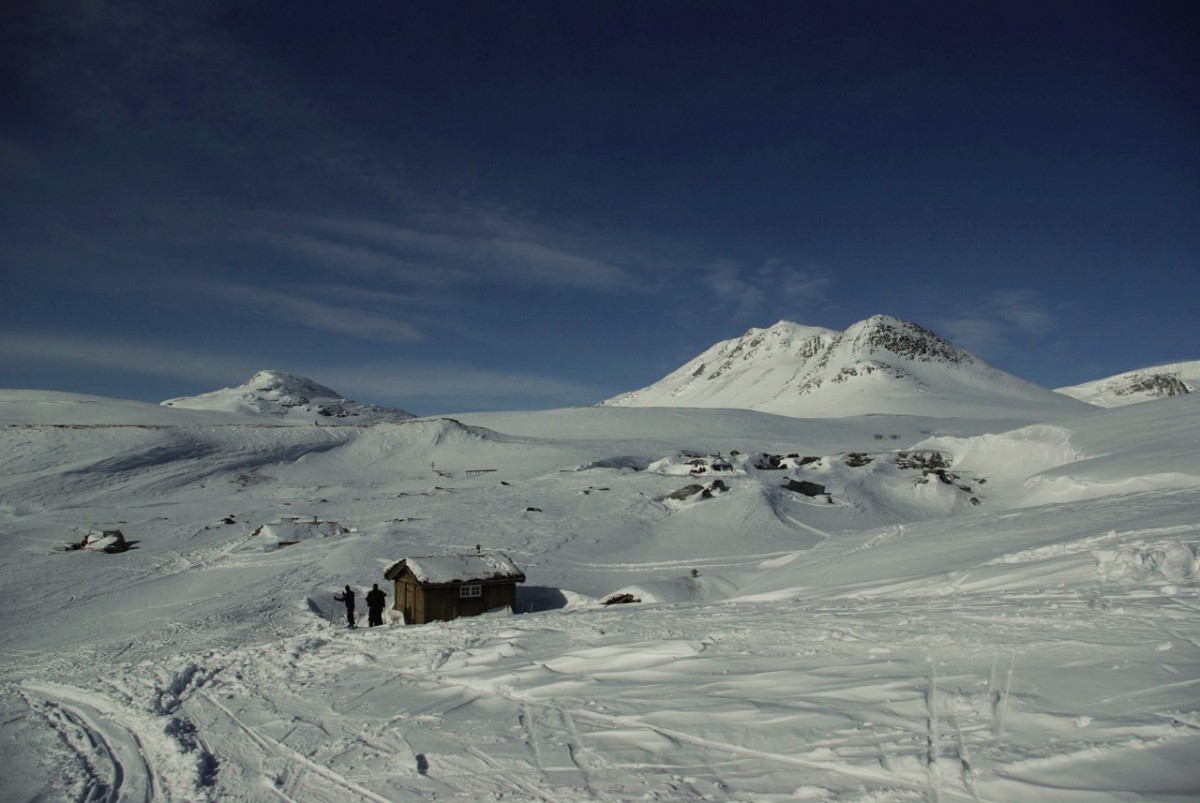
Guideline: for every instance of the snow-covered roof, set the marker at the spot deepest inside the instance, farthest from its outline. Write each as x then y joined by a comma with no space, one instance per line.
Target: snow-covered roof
440,569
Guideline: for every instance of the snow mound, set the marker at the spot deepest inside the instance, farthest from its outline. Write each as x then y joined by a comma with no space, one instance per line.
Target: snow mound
1130,449
285,533
691,464
110,541
702,588
1008,460
1124,450
619,463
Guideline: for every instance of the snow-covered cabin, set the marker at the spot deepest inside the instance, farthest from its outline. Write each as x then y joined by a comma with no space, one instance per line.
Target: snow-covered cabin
445,587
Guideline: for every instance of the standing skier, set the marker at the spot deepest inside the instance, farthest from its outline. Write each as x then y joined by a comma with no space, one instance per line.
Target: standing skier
348,598
376,599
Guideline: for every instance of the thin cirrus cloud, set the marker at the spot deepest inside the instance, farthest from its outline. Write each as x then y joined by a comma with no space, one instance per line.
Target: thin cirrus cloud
541,264
1002,318
463,249
467,385
342,320
977,334
364,259
1021,309
122,354
774,287
431,384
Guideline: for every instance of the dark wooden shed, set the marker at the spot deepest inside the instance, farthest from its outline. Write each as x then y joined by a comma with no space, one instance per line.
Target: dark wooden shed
445,587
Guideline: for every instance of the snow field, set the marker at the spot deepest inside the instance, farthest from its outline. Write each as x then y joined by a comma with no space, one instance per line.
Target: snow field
898,644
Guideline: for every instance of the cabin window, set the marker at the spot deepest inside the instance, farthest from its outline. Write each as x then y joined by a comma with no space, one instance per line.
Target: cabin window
470,591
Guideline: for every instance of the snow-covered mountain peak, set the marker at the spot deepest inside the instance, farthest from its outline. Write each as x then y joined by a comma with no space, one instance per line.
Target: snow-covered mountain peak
784,341
878,365
892,336
289,390
1144,384
283,395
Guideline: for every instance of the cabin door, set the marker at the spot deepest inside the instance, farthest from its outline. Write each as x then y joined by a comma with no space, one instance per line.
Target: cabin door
413,604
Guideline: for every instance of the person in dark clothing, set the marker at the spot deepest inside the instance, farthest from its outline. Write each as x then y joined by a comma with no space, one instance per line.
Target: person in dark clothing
376,599
348,598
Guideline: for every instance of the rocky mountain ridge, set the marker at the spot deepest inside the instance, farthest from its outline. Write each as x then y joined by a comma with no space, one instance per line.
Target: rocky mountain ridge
878,365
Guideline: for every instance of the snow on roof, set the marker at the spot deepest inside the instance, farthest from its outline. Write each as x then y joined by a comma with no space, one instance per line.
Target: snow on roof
440,569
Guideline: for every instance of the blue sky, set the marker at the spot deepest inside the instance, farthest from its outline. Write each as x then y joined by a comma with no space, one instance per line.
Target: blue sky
458,206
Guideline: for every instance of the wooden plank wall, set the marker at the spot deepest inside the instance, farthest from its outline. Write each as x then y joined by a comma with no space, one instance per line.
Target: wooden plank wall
444,604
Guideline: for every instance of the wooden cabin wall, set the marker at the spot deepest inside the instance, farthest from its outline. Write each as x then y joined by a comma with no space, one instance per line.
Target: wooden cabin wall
422,605
499,595
444,604
410,600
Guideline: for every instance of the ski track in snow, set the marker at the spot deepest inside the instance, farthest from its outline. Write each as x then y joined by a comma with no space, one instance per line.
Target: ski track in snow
595,718
119,767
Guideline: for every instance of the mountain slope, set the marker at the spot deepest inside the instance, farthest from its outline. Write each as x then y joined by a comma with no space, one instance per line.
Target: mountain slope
880,365
1144,384
282,395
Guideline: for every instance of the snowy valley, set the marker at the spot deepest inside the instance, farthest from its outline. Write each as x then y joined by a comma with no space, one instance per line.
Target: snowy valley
925,581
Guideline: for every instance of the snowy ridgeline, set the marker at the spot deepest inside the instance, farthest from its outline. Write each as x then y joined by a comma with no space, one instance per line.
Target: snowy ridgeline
1133,387
881,365
883,608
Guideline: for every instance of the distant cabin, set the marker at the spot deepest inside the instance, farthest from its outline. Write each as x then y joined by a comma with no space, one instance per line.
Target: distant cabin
445,587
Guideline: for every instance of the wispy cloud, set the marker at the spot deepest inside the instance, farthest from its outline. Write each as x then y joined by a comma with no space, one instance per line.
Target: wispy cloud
1022,309
362,295
308,313
980,335
259,130
436,387
446,386
1000,321
544,264
125,355
367,259
461,246
776,287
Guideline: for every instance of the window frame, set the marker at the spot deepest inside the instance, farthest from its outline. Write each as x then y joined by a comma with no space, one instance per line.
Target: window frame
470,591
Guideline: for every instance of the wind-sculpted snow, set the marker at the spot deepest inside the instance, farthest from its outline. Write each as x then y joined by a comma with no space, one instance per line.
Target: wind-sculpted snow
1127,450
883,639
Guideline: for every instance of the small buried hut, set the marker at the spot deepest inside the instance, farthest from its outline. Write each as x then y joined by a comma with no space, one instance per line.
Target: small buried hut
445,587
